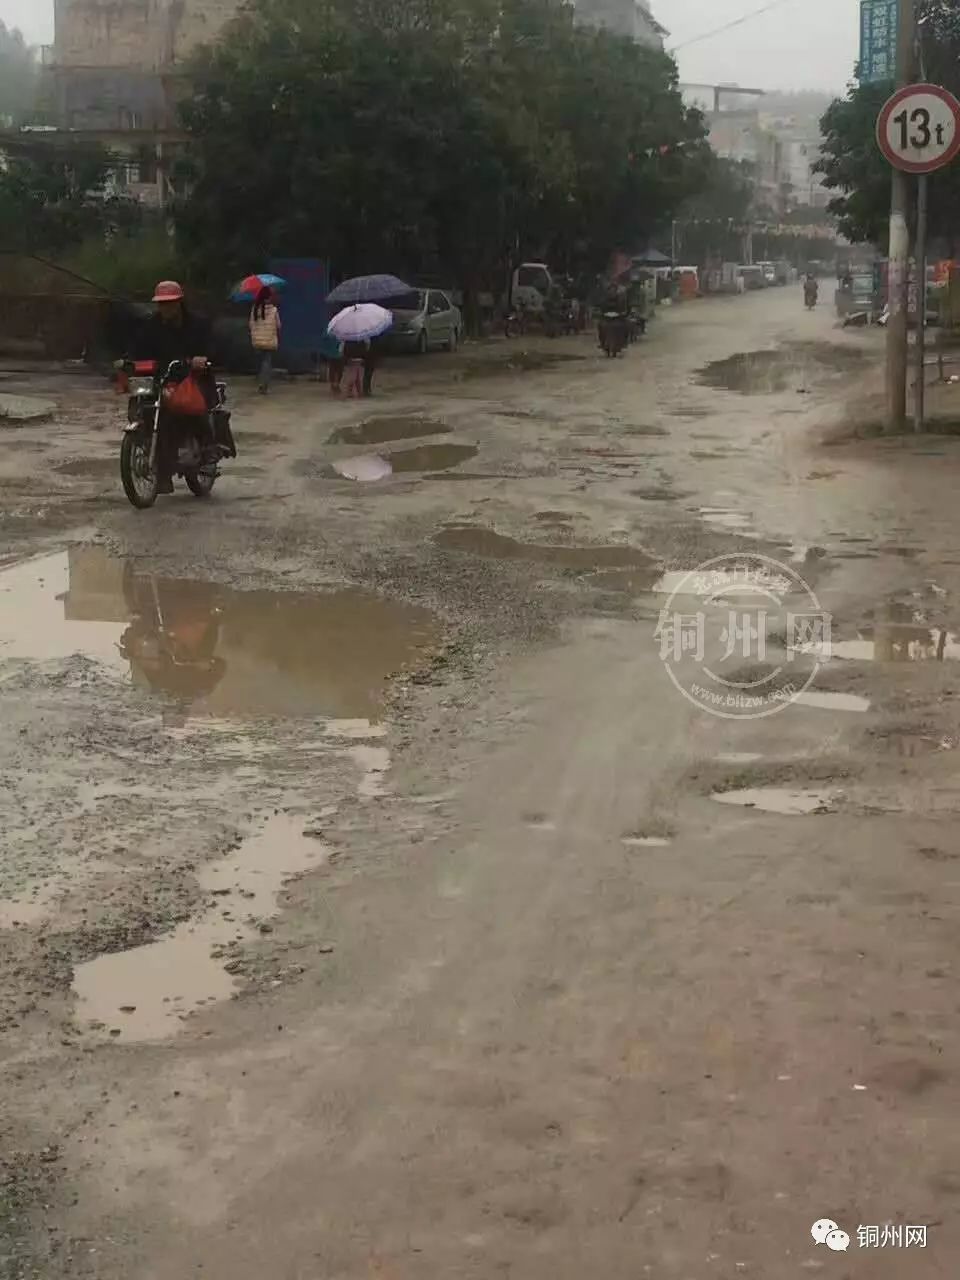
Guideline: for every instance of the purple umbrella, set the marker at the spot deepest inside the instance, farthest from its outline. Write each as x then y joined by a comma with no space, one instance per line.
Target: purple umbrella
358,323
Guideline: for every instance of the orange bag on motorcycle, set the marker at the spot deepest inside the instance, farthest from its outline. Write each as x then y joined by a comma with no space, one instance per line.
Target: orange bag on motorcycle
185,398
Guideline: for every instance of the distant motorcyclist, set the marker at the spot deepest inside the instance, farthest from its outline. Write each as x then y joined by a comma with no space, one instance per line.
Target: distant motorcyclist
811,291
174,333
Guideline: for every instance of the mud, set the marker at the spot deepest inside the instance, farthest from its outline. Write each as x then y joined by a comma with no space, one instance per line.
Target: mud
149,992
432,457
98,467
384,429
778,800
207,649
438,1021
515,362
780,369
489,544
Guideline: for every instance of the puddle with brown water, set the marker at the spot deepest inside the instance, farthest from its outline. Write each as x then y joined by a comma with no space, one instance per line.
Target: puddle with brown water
516,362
489,544
779,369
777,800
146,993
382,430
210,649
425,457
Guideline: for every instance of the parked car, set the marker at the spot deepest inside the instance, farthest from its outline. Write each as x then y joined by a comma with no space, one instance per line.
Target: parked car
423,320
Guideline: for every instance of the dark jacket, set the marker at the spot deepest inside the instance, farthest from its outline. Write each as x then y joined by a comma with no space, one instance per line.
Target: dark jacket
165,342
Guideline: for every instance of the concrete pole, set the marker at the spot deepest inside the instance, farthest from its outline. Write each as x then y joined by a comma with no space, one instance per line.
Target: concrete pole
899,254
920,387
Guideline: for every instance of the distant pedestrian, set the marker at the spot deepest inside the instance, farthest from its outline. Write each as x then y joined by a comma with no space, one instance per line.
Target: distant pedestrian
355,356
265,335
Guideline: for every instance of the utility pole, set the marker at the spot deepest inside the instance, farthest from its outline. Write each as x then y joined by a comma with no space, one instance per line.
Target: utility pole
899,255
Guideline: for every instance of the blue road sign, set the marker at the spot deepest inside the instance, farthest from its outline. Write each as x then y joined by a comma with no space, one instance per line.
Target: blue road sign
878,40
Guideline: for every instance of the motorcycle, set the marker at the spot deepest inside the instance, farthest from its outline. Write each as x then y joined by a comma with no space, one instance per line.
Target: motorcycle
202,439
636,324
811,294
613,333
515,323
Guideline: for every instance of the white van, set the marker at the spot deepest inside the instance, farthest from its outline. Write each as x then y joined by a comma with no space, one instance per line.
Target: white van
530,285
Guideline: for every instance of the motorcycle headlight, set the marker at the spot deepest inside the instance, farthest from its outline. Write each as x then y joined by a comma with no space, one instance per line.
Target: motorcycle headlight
142,387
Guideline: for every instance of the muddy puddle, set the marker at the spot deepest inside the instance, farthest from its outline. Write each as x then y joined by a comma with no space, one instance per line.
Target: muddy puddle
148,992
778,369
425,457
898,642
516,362
726,518
778,800
491,545
383,430
207,649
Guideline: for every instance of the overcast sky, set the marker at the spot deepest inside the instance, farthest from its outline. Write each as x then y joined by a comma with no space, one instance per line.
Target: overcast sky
801,44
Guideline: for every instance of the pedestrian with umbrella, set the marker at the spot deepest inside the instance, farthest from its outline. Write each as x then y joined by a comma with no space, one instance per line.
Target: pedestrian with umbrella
265,325
356,327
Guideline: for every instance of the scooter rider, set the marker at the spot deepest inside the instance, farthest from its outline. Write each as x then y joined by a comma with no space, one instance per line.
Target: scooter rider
175,333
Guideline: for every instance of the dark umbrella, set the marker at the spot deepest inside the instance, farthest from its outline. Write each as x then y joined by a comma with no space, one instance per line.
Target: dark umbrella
369,289
651,258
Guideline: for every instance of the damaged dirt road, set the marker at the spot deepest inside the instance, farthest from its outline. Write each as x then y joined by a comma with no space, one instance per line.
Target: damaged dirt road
367,907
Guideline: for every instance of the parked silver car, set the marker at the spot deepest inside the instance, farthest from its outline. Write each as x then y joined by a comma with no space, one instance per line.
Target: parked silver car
423,320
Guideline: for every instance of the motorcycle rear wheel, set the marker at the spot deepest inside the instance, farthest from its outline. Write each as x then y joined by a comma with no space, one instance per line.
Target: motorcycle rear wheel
200,483
140,484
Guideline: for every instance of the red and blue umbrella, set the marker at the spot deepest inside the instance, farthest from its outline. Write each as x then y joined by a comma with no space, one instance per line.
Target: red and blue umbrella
248,290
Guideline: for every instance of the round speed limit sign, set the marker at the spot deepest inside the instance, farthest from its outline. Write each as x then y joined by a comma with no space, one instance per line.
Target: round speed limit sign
919,128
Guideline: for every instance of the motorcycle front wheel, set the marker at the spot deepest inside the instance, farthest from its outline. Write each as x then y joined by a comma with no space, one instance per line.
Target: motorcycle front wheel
140,484
200,483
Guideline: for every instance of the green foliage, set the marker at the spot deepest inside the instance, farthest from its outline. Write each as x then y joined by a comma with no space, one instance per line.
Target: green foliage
429,135
49,198
18,76
127,264
852,163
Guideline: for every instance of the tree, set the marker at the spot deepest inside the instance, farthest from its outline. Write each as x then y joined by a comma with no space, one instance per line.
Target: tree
49,198
851,162
428,136
18,76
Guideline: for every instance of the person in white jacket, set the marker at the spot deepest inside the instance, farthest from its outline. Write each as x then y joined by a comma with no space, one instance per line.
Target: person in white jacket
265,335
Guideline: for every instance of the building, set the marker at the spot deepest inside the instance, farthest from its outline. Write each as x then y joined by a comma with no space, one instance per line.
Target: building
114,71
631,18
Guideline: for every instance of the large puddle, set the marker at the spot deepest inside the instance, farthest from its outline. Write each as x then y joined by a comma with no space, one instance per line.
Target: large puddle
425,457
497,546
209,649
147,993
383,430
779,369
778,800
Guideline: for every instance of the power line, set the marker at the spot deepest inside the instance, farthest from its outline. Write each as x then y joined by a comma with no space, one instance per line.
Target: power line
728,26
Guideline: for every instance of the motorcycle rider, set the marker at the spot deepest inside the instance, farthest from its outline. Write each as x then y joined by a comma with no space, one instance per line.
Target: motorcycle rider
175,333
811,290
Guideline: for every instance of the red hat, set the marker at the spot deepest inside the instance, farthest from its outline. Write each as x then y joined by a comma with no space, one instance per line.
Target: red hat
168,291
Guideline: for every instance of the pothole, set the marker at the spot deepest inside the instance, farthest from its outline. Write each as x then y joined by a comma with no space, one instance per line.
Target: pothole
209,649
148,992
426,457
778,369
384,429
497,546
782,800
516,362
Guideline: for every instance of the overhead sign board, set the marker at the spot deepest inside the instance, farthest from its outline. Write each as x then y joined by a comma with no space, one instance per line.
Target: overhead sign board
919,128
878,40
